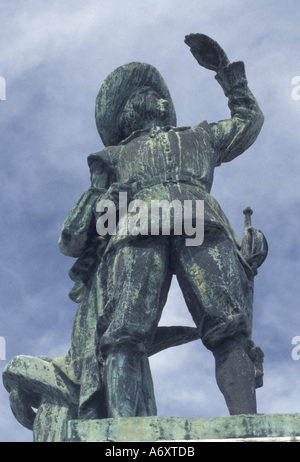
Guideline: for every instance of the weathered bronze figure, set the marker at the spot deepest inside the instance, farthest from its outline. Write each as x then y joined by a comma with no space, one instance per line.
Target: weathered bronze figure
122,279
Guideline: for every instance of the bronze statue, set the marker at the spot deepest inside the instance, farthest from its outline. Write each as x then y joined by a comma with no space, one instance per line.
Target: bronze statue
122,279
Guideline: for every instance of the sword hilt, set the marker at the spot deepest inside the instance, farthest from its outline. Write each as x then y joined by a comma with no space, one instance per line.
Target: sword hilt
248,212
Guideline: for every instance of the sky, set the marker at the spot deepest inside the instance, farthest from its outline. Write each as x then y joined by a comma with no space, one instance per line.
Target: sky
54,57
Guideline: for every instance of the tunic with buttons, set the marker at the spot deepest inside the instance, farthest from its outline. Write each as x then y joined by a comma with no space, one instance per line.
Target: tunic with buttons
177,163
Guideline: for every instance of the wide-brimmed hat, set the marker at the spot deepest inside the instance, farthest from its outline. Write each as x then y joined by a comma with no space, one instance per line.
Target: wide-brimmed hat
115,91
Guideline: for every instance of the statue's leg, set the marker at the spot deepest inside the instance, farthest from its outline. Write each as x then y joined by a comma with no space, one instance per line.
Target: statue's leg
138,283
122,377
214,284
235,375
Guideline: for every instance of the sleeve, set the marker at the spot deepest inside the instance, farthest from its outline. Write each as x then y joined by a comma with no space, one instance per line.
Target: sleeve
232,137
80,224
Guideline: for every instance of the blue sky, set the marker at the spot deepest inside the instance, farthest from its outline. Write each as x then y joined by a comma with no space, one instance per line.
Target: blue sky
54,57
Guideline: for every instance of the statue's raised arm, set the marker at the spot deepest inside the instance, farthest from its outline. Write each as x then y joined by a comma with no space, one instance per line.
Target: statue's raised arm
230,137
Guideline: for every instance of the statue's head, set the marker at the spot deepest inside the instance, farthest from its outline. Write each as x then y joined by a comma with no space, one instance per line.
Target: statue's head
130,96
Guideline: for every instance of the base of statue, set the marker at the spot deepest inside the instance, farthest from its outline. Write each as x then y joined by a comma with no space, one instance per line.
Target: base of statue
258,427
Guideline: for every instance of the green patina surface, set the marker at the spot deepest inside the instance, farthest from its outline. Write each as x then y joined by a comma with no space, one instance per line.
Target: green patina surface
182,429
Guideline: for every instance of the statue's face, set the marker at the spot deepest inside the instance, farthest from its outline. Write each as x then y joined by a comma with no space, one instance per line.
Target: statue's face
143,108
156,108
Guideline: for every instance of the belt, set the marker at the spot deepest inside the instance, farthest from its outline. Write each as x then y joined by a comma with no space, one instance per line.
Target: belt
165,180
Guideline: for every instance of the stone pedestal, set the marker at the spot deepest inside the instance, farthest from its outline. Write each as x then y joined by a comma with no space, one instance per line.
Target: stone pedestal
259,427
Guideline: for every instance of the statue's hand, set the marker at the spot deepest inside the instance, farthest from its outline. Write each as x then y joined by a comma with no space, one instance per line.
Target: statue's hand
207,51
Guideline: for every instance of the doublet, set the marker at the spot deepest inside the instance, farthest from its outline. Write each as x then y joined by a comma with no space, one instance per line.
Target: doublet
177,163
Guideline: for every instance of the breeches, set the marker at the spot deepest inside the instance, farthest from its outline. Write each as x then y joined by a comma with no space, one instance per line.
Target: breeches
137,280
